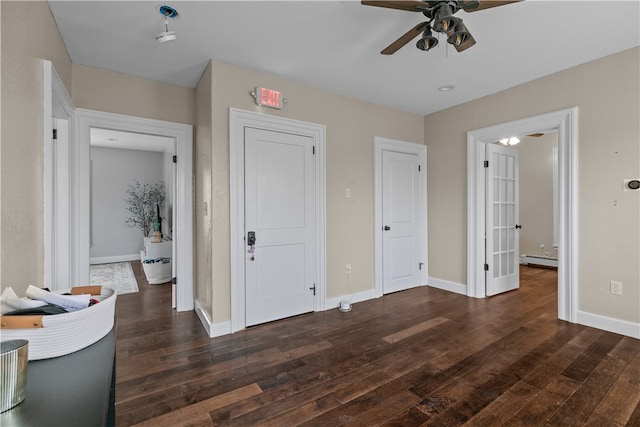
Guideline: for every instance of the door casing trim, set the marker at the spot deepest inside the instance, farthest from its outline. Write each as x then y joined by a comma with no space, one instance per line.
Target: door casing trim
183,134
565,122
238,120
58,248
385,144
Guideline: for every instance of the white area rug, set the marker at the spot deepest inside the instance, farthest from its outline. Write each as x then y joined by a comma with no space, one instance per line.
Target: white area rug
118,275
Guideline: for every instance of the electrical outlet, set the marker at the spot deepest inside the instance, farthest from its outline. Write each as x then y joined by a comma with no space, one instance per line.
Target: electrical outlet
347,268
615,287
347,193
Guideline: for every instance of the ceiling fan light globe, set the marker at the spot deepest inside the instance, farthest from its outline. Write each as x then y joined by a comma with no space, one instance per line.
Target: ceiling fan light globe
427,43
444,19
459,36
445,24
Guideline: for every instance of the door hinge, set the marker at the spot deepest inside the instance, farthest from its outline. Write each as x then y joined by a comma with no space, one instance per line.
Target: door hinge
174,280
313,150
420,264
486,267
55,134
486,163
313,289
175,159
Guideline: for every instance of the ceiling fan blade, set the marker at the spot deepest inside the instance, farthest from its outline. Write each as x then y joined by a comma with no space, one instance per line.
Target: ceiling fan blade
404,39
411,6
487,4
466,44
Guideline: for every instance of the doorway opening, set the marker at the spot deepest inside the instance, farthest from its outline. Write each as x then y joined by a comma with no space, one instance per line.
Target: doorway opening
565,123
132,193
521,221
86,120
538,199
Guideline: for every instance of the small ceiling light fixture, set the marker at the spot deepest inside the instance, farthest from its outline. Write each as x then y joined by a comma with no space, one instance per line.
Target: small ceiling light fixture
446,88
510,141
169,13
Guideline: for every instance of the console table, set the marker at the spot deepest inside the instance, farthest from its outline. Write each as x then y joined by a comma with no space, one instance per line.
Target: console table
73,390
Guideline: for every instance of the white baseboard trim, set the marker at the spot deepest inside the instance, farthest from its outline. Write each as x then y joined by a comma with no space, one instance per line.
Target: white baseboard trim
213,329
203,317
222,328
610,324
536,260
445,285
352,298
117,258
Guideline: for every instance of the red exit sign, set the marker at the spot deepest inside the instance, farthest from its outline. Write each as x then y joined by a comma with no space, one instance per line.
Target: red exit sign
269,98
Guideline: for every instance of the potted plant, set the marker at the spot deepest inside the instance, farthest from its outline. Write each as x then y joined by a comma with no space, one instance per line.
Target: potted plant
142,202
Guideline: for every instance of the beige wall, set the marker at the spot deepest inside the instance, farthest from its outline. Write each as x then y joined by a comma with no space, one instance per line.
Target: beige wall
351,126
29,33
606,92
536,194
102,90
203,220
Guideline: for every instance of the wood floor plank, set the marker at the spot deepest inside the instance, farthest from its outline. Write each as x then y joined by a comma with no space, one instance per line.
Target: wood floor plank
624,397
198,413
592,391
387,409
420,327
540,408
418,357
634,420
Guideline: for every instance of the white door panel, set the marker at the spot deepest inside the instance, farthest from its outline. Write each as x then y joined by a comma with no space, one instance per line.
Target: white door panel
279,208
502,239
400,216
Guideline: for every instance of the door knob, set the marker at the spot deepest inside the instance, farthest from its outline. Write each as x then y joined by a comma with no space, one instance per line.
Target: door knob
518,226
387,228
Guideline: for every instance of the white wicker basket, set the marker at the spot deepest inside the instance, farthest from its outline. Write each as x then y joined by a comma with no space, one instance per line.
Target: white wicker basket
66,333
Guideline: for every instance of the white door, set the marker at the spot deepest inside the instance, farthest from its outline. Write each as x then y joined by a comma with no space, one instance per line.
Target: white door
280,212
401,254
502,236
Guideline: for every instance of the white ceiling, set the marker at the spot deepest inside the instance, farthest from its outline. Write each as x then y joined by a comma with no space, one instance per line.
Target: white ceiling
335,45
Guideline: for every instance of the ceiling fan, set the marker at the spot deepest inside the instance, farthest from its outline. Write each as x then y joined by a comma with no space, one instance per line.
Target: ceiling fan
440,19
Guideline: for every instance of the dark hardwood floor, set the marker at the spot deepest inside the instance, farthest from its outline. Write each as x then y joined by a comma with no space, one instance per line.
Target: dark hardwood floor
417,357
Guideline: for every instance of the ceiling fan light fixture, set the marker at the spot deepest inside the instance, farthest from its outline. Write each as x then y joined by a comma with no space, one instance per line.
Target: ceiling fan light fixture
460,35
444,19
427,41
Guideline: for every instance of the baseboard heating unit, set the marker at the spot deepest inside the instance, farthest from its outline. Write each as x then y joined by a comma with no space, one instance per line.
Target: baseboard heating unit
538,260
